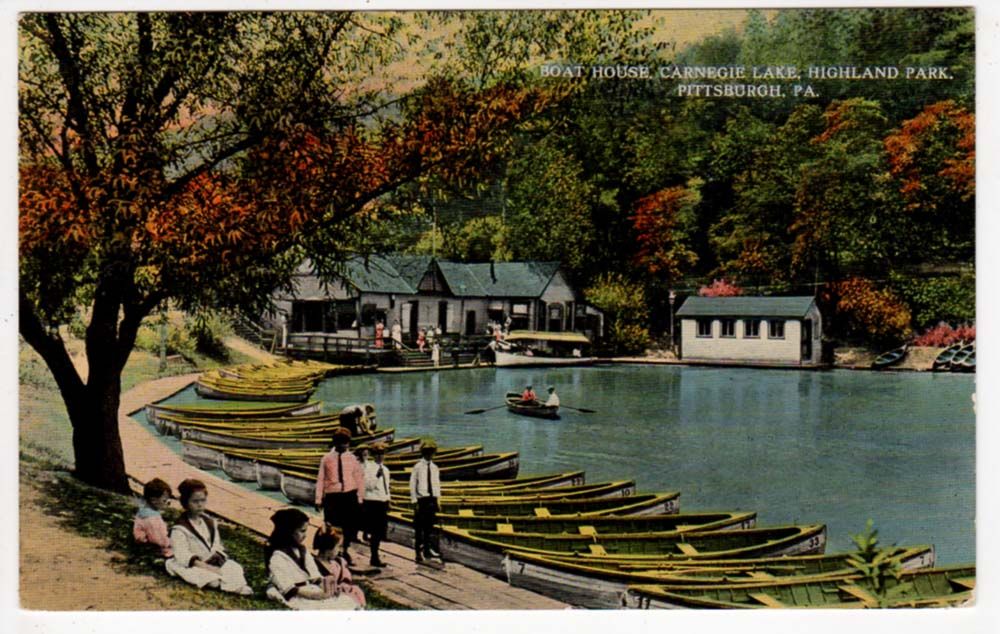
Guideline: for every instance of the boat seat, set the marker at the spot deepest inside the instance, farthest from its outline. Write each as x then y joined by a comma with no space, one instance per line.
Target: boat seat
507,529
466,513
861,594
767,600
686,548
597,549
763,576
685,527
590,531
542,512
968,583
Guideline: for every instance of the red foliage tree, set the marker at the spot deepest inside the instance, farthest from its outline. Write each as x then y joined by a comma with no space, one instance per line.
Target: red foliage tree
198,158
864,309
720,288
659,221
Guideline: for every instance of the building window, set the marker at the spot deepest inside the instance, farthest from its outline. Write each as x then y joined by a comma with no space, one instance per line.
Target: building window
751,328
728,327
704,327
776,329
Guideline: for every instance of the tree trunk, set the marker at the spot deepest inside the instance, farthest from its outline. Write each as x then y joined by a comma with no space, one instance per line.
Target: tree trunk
97,445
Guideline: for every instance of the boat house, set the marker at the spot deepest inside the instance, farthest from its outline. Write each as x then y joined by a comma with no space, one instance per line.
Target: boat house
421,292
769,331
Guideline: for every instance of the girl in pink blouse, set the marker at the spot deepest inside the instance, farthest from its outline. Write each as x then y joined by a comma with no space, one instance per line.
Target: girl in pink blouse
148,526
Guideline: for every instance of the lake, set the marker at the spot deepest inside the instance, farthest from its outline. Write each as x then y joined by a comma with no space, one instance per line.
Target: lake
834,447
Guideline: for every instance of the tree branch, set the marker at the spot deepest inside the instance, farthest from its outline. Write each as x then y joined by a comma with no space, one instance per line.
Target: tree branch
51,348
73,81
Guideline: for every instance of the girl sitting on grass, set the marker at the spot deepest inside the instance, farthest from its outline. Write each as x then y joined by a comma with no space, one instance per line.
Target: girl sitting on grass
295,579
199,556
148,526
336,576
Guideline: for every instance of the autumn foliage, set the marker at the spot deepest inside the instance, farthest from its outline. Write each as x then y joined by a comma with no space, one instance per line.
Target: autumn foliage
863,309
944,335
659,227
720,288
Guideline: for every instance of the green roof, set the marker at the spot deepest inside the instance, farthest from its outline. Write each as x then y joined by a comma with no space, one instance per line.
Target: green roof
794,307
401,274
376,274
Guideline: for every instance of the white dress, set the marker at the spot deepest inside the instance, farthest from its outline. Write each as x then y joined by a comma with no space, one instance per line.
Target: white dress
285,573
200,541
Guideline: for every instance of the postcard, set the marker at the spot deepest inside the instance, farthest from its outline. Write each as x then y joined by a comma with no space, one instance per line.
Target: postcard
520,310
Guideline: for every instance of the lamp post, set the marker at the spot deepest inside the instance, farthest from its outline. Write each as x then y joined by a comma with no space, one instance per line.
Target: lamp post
672,296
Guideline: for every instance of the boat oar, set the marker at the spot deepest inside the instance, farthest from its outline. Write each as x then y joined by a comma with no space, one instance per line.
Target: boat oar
579,409
488,409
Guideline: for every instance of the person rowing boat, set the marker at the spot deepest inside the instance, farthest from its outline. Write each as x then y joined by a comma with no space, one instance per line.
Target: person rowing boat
553,400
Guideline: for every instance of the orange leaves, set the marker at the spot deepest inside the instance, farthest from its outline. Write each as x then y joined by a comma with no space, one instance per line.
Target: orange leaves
50,216
940,142
875,312
658,223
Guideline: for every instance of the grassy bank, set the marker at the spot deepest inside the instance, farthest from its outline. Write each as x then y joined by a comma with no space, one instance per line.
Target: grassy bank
46,459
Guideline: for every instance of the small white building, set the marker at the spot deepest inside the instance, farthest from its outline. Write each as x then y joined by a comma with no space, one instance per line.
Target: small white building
768,331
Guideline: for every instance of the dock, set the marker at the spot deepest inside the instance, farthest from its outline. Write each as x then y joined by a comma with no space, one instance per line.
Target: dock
415,586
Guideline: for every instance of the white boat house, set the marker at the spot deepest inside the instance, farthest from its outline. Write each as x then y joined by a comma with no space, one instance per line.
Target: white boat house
421,292
768,331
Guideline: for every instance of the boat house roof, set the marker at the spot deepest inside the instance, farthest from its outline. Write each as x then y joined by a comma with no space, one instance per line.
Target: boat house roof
793,307
402,274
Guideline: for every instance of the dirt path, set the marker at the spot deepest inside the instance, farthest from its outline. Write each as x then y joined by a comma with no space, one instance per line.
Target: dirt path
62,570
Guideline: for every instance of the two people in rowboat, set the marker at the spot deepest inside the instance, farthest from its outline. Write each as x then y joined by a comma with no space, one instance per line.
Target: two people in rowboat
528,397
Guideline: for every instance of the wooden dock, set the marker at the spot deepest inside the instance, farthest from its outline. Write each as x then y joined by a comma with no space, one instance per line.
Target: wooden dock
405,582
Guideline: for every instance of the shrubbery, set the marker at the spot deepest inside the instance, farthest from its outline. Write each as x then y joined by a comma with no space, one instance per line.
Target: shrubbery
944,335
624,305
196,335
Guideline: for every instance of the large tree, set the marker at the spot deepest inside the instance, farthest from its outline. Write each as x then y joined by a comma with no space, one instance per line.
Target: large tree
197,157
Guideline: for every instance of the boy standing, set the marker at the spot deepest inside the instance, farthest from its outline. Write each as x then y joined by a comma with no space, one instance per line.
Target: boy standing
425,487
376,504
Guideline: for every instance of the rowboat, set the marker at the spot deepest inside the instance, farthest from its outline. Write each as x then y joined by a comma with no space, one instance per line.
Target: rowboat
534,408
571,525
642,504
487,466
965,359
240,410
890,358
485,550
499,511
592,585
171,425
524,348
935,587
614,489
943,360
296,481
207,389
278,441
309,459
569,478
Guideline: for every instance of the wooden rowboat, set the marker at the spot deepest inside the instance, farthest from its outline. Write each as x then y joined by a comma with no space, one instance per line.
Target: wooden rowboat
486,550
935,587
569,478
595,584
233,411
535,409
943,360
965,360
890,358
572,525
172,425
212,390
614,489
271,441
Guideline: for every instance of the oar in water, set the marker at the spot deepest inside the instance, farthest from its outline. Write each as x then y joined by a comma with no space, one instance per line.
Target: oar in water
579,409
488,409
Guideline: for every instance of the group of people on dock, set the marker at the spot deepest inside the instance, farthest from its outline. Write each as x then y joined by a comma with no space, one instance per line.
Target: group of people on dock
353,489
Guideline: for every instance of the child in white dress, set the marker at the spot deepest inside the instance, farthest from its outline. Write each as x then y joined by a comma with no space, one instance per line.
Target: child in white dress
295,579
199,556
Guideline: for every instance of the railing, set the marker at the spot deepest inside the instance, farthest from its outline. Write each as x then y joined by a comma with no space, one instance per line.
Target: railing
253,332
333,347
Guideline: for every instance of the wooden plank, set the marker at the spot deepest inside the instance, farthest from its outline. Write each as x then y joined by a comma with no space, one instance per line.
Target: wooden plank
969,583
763,576
767,600
590,531
542,512
597,549
686,548
859,593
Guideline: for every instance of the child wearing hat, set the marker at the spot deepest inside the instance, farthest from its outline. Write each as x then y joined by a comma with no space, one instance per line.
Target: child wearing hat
376,504
425,487
340,489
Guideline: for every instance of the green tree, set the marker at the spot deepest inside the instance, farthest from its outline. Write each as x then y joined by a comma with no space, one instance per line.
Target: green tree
624,305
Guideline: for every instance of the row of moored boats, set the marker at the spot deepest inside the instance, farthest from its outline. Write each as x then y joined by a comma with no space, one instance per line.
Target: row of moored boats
597,545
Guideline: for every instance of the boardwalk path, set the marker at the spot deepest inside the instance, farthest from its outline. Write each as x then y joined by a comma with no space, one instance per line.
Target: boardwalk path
456,588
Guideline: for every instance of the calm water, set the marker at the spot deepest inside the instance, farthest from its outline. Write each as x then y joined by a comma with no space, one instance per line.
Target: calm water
834,447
